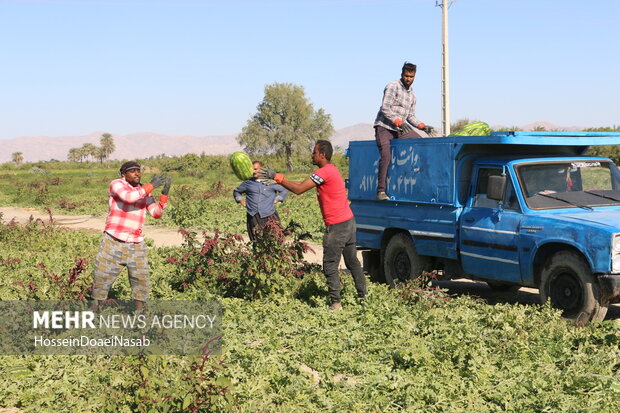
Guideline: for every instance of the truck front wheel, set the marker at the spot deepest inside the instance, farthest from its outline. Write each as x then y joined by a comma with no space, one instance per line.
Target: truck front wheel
567,281
401,261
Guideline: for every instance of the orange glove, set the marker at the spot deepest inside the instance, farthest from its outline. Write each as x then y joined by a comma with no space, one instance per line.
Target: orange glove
421,125
398,122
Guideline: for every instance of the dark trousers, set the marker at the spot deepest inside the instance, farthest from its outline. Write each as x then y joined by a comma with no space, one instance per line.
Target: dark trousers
339,240
383,137
257,222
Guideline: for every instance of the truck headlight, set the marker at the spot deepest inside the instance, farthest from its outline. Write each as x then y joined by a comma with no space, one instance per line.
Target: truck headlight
615,254
615,264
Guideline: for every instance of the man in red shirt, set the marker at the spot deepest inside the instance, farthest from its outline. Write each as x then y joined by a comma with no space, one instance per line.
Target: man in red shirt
339,238
123,241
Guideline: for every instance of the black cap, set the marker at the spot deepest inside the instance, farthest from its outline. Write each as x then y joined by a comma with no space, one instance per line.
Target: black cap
129,165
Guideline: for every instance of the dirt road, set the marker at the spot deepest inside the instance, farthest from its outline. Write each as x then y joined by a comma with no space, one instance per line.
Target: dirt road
163,236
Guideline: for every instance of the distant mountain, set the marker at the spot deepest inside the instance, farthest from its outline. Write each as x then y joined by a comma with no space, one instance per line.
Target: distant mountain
135,145
359,132
146,144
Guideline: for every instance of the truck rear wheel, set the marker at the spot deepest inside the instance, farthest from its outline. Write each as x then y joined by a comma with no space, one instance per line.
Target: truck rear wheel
401,261
372,265
567,281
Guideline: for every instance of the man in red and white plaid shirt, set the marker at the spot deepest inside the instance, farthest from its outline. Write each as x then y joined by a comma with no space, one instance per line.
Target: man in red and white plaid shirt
123,241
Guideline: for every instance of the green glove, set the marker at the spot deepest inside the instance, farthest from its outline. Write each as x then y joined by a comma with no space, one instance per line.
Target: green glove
266,181
404,129
158,180
266,173
166,186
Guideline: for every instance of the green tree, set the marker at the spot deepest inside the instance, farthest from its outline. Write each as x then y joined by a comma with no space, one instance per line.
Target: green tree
459,125
613,128
101,155
285,123
513,129
608,151
74,155
88,149
17,158
107,146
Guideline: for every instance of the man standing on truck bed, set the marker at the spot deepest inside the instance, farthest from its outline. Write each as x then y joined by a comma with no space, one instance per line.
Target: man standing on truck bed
396,119
339,237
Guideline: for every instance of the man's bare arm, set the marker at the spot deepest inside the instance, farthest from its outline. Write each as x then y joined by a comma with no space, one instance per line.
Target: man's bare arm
298,188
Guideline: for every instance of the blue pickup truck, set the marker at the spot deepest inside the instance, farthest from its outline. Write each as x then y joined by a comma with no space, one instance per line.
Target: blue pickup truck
513,209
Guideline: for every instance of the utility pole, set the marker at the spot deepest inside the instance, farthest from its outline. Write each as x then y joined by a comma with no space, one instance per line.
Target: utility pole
445,67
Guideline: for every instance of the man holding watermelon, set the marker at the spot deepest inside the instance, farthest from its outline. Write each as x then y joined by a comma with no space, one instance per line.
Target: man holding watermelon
339,238
123,241
396,119
260,201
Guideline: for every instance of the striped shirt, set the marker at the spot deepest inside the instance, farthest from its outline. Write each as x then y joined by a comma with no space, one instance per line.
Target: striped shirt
398,103
128,205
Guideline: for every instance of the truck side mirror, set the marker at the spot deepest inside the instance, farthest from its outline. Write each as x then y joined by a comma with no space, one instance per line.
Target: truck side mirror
496,186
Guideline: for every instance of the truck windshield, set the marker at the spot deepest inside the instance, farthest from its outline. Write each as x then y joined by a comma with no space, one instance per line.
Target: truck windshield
572,184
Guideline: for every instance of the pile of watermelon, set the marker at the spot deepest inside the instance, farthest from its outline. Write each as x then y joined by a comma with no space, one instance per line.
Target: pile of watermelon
474,129
241,165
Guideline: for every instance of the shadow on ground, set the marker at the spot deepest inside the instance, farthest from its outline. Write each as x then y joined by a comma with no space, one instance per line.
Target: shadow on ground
522,296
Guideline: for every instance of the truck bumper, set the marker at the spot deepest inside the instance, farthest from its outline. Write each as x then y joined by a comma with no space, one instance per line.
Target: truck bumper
611,285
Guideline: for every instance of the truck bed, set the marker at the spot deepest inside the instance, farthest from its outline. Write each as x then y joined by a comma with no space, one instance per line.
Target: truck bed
424,170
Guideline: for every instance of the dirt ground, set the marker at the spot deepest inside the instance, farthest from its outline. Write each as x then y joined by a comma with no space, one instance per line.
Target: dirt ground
170,237
162,236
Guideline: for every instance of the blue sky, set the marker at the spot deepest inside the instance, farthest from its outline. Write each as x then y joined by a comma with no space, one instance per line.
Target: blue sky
192,67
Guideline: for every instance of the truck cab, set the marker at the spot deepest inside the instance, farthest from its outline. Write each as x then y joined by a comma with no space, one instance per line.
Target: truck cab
513,209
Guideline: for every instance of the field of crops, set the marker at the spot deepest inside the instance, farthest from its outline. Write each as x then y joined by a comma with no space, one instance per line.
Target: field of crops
414,348
199,199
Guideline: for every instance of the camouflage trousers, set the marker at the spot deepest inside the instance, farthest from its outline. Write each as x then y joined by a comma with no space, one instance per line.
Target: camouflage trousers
114,254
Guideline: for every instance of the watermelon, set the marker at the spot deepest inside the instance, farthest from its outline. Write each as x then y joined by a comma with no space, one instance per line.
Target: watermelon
474,129
241,165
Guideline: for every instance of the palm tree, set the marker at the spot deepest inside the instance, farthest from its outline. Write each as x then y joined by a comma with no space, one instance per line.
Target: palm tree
107,146
101,155
88,149
17,158
74,155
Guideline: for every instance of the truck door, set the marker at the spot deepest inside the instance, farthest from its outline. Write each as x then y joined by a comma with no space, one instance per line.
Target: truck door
489,231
